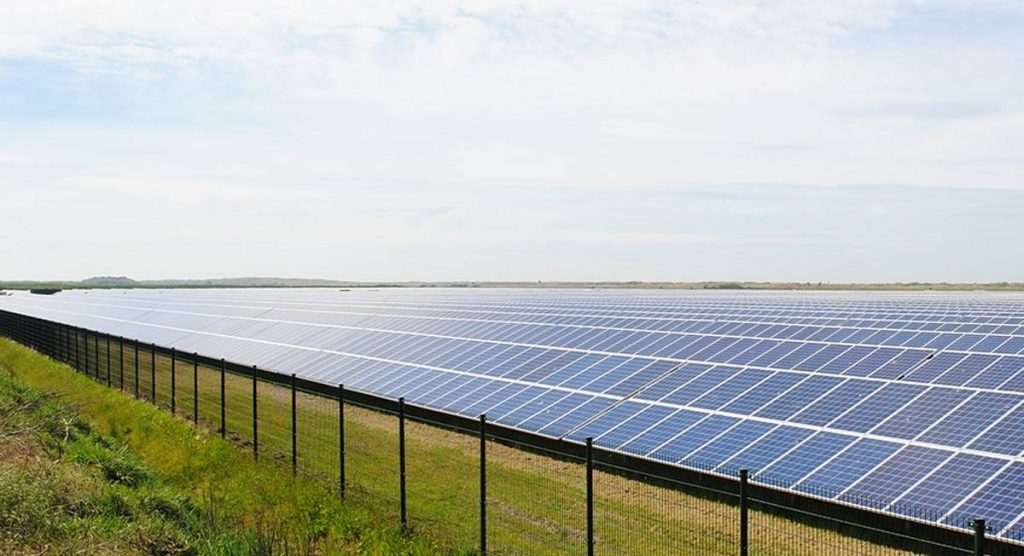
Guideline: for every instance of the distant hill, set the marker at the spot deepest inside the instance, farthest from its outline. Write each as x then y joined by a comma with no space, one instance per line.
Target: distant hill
100,282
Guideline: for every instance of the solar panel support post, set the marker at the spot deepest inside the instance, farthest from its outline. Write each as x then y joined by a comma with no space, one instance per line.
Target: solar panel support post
295,446
255,419
223,424
341,440
979,536
152,374
483,485
401,462
195,388
590,496
174,364
744,543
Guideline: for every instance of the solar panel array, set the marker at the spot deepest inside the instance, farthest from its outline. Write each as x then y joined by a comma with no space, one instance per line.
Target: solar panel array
911,401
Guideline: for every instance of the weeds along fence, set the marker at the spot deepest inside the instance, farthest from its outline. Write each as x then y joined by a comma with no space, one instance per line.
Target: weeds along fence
481,487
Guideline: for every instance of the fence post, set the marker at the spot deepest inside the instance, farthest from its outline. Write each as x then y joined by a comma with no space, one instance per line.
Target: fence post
590,496
483,485
96,352
743,528
295,446
152,374
108,361
174,364
120,361
401,460
85,354
136,362
76,353
341,440
255,419
195,388
223,424
979,536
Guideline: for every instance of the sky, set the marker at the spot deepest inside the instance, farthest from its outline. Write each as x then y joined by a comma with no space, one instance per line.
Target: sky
867,141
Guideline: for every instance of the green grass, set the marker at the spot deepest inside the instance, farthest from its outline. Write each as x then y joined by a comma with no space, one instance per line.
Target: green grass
83,469
535,503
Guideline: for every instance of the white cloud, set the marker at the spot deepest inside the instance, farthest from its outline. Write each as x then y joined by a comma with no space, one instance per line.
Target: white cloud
387,125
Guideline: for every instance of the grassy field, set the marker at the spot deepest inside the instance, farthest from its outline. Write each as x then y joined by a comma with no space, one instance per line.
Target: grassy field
536,504
84,469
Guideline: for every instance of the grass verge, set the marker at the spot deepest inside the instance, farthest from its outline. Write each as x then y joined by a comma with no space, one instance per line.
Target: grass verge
84,469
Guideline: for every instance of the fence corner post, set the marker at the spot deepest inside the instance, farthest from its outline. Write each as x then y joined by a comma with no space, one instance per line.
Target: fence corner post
744,541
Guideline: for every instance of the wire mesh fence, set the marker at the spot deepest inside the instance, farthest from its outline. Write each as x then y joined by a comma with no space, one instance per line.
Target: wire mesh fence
477,487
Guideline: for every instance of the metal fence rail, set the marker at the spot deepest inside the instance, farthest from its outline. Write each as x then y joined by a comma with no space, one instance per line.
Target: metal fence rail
480,485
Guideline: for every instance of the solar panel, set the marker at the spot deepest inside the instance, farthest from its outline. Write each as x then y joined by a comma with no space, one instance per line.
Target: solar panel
908,402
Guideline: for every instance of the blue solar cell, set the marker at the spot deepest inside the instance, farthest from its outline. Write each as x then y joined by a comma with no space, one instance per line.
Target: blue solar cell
693,438
966,422
627,369
648,374
805,458
577,416
847,467
841,364
896,475
505,404
698,386
793,358
662,432
681,375
753,352
606,421
1000,500
873,362
730,389
920,413
727,444
763,393
883,403
530,408
901,364
935,367
628,429
955,480
967,369
597,370
1005,436
823,356
786,405
1010,367
572,369
835,403
767,449
554,411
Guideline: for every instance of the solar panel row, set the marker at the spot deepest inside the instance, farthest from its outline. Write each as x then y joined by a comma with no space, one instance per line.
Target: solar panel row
906,402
